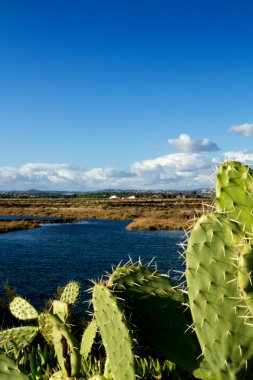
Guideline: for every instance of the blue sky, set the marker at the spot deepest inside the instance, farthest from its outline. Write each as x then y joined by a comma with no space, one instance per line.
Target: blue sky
123,94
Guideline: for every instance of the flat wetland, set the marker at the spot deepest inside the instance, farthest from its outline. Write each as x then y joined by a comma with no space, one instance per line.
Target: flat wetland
144,213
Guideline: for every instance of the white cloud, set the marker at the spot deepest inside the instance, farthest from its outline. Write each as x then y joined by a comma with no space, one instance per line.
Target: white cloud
53,172
189,169
40,175
174,171
241,156
244,129
185,144
104,173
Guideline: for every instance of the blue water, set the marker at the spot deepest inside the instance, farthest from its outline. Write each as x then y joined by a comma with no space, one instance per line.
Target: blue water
37,261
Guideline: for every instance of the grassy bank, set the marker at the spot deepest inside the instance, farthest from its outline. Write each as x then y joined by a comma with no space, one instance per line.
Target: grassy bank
8,226
145,213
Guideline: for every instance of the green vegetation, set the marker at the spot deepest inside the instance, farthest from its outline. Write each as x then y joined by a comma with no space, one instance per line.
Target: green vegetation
144,325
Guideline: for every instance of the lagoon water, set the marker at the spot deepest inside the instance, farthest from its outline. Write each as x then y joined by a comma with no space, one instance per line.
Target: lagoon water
37,261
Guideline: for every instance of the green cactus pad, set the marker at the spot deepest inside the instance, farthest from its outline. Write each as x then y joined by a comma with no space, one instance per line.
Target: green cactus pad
9,370
217,308
157,310
62,309
234,193
22,309
17,337
115,334
45,327
88,338
245,275
70,293
66,347
139,279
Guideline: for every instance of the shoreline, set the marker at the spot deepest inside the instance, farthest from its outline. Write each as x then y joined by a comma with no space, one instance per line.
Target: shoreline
7,225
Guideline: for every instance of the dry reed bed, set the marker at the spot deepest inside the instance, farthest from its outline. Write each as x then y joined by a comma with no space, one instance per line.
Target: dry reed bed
145,213
8,226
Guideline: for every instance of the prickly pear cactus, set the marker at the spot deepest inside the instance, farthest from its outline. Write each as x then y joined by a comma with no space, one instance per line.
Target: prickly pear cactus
115,334
17,337
66,347
139,279
9,370
70,293
88,338
156,308
245,276
62,309
218,310
22,309
234,193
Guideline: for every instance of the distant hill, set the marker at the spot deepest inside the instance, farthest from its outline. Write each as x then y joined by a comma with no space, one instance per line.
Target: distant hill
106,193
33,191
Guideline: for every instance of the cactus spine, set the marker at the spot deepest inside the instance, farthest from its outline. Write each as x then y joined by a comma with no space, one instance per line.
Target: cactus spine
53,327
218,341
234,193
17,337
115,334
217,310
66,348
156,308
22,309
70,293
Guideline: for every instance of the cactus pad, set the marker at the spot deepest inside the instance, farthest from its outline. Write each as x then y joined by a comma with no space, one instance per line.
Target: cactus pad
115,334
17,337
22,309
245,275
70,293
9,369
234,193
66,347
88,338
217,308
156,308
62,309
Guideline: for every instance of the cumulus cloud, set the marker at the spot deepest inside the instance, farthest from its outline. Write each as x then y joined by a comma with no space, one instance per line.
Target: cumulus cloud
182,170
174,171
44,176
244,129
53,172
241,156
186,144
104,173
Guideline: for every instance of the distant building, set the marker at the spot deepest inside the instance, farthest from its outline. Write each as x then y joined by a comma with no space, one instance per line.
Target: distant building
131,197
113,197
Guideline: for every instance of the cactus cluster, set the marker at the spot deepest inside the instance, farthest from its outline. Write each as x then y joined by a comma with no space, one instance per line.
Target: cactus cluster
204,327
52,326
219,275
209,329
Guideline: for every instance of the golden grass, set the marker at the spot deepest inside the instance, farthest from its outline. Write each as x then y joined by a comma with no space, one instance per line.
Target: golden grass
158,224
7,226
145,213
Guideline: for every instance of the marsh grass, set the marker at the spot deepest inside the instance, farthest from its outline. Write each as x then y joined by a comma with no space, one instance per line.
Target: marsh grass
8,226
145,213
